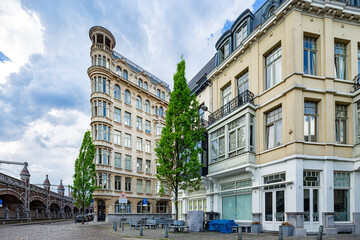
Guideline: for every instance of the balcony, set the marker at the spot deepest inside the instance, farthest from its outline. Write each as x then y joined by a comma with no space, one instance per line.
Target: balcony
356,82
240,100
102,47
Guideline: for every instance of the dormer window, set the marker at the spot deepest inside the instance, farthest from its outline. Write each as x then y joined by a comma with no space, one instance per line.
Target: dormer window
224,51
241,34
271,11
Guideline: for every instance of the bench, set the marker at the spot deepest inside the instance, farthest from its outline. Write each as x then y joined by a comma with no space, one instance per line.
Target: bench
163,222
245,227
134,223
151,224
179,226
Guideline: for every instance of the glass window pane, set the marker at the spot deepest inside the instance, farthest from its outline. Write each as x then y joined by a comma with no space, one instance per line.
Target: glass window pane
268,206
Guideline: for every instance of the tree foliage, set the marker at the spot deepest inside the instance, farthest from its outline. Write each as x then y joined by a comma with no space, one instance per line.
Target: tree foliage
84,176
178,149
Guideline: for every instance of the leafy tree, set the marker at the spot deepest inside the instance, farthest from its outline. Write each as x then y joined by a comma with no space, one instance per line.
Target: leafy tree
178,149
84,176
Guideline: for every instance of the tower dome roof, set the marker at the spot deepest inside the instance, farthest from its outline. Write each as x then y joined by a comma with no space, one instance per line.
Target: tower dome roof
25,172
46,181
61,186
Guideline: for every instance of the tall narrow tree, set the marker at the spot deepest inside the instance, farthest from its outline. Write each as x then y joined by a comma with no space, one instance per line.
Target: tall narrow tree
84,176
178,149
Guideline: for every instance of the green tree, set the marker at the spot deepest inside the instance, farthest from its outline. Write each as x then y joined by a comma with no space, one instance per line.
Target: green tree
84,176
178,149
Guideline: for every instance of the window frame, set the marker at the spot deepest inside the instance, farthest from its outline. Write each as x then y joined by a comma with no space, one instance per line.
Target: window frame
128,162
310,49
276,114
226,94
276,56
341,119
128,119
117,160
127,97
127,184
310,115
138,102
240,34
117,137
338,56
127,140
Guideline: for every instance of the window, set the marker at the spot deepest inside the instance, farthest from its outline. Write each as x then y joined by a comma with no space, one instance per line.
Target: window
148,166
101,132
243,83
161,111
139,165
146,86
125,74
147,106
161,207
271,11
99,60
138,102
241,34
224,51
158,92
103,180
118,160
310,121
118,70
102,156
147,126
138,123
117,137
342,196
117,115
218,145
143,209
236,136
128,119
273,67
101,85
139,144
311,179
162,95
107,63
148,187
140,83
127,140
100,108
274,178
117,183
127,162
340,60
139,186
357,117
104,61
147,146
340,123
156,111
310,52
159,128
117,92
226,95
127,97
274,128
128,184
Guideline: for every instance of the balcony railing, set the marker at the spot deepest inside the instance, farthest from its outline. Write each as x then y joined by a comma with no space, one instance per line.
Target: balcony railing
240,100
357,82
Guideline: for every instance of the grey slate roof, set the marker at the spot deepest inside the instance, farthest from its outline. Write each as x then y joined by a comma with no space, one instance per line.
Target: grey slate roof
200,78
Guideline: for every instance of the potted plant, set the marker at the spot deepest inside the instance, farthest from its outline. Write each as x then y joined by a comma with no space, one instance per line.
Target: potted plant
287,229
256,227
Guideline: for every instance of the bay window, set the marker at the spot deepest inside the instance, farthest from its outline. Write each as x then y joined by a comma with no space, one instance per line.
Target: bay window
218,145
274,128
236,134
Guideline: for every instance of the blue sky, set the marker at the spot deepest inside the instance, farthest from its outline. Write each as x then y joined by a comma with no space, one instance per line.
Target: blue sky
44,88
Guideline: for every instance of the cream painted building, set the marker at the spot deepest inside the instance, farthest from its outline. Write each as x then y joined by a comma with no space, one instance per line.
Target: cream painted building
128,106
284,125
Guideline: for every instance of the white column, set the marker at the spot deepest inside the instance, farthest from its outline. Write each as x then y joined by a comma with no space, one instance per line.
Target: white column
328,186
294,192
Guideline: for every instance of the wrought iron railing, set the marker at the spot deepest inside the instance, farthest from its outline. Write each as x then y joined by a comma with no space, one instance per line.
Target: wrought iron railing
357,82
245,97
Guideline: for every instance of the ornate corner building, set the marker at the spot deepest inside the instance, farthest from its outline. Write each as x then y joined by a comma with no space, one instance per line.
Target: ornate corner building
128,106
283,100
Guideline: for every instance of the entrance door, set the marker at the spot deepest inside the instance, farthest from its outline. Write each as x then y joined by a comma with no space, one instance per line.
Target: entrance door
101,210
274,209
311,209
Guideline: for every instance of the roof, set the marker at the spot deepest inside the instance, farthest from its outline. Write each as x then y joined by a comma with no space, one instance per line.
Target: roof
200,78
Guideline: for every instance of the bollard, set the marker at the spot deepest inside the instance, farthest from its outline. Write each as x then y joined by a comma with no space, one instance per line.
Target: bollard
114,226
240,234
320,233
141,230
166,231
280,233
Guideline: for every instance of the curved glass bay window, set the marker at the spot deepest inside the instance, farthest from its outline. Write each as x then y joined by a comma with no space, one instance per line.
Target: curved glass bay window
100,108
101,132
100,84
103,180
102,156
218,145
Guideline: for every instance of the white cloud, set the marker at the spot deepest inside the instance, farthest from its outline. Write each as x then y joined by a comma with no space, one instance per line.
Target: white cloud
50,145
21,35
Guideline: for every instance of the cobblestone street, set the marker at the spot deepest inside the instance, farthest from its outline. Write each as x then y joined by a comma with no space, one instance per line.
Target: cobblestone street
70,230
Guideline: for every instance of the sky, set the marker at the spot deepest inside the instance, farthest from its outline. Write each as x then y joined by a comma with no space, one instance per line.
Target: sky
45,54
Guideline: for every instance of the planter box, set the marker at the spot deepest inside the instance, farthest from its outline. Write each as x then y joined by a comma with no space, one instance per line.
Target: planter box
256,228
287,230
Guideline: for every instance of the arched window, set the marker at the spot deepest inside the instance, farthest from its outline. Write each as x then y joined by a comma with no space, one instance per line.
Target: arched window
104,61
140,83
143,209
155,110
125,74
163,95
138,102
127,97
161,207
94,60
147,106
158,92
118,70
146,86
271,11
161,111
108,63
117,92
117,207
99,60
